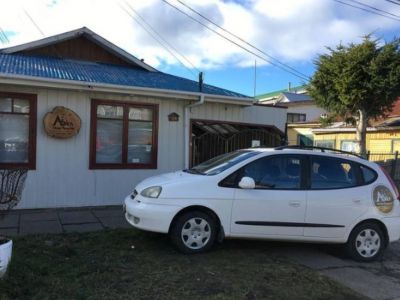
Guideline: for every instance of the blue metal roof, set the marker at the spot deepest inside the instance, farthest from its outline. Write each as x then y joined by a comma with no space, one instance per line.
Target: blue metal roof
293,97
67,69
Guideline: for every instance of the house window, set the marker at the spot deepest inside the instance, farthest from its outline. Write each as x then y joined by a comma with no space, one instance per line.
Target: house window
395,146
17,130
349,146
295,118
305,140
325,144
123,135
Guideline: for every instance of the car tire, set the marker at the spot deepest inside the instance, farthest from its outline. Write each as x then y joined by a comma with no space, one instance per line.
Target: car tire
194,232
366,242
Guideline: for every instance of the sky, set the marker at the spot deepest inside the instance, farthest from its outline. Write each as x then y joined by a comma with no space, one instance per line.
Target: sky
294,32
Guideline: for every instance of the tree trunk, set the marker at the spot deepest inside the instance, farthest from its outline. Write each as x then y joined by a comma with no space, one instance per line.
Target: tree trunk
361,134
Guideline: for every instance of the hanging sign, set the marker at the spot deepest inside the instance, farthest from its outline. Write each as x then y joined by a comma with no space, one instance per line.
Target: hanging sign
61,123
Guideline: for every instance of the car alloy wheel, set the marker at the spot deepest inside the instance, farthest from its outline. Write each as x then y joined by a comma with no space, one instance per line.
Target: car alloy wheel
368,243
196,233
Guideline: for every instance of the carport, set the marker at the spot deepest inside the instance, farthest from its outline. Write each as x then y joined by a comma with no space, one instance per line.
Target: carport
213,138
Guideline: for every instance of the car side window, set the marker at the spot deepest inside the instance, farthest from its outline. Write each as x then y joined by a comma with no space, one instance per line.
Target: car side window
275,172
369,175
332,173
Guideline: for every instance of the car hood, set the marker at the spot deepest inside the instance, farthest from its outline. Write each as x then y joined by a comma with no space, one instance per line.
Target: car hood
167,178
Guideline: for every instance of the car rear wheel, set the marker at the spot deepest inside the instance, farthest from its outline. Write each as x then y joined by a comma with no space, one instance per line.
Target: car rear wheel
193,232
366,242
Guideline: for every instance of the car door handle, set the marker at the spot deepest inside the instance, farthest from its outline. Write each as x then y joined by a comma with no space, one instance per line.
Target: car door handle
356,201
294,203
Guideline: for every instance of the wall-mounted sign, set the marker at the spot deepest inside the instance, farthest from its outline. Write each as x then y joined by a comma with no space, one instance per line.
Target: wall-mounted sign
255,143
62,123
173,117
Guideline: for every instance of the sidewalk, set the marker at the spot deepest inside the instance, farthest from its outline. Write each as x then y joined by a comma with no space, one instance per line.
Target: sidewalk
378,280
32,221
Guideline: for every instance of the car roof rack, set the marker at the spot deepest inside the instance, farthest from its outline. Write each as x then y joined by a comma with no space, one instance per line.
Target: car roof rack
322,149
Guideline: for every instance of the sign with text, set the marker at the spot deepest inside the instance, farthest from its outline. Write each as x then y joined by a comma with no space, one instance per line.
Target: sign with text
62,123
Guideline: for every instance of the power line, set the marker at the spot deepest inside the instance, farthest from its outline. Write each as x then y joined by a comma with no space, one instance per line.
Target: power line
241,39
394,2
3,36
374,8
33,22
164,40
367,10
237,44
155,38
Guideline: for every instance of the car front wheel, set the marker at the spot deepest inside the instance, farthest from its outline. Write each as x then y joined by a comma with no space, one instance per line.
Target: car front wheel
366,242
193,232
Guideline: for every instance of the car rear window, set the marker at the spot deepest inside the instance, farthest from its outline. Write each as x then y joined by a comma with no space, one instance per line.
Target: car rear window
332,173
368,174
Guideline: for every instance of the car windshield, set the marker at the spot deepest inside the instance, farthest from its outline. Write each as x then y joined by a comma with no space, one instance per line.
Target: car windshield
222,162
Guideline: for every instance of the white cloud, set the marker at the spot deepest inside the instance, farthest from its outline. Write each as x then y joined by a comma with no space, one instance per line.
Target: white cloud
291,30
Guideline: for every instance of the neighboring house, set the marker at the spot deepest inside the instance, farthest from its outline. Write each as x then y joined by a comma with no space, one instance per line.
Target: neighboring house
383,135
301,133
302,113
117,122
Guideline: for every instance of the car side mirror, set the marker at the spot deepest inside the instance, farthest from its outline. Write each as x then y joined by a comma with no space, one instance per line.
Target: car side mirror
247,183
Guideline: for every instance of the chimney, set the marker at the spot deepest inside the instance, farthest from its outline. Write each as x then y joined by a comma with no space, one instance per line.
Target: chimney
201,82
289,86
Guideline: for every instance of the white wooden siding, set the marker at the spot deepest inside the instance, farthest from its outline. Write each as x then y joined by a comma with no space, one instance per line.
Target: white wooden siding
62,177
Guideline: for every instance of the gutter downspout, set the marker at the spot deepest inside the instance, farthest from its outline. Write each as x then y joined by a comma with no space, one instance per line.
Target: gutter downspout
186,131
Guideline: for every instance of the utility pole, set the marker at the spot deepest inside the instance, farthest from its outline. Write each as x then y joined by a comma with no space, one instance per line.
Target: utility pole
255,77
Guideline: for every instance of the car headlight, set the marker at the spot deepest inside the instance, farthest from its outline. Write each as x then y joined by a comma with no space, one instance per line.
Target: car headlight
151,192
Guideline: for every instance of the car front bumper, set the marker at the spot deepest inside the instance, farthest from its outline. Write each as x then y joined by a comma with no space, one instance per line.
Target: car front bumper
149,216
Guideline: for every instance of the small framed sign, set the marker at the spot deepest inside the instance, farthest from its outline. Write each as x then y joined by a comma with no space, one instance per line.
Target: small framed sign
255,143
173,117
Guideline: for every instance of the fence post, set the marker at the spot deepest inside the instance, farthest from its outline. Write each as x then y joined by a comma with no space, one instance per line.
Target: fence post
394,164
368,154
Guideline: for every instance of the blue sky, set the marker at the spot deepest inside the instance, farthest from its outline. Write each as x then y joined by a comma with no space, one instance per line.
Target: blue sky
293,31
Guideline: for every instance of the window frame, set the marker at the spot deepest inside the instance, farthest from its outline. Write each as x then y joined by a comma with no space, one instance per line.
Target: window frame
328,141
305,174
32,131
346,141
392,145
299,115
239,173
364,182
93,165
307,136
357,170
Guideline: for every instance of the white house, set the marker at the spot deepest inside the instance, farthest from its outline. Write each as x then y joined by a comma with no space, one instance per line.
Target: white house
90,120
300,106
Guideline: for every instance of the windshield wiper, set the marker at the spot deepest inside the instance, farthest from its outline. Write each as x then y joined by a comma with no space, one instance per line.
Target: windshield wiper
193,171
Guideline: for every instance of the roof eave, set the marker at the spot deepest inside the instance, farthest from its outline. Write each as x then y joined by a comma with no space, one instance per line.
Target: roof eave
6,78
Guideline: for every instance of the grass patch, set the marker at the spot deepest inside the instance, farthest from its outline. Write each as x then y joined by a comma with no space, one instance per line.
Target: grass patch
129,264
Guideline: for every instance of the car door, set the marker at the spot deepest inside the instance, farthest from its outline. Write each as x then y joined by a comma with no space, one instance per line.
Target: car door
277,203
336,197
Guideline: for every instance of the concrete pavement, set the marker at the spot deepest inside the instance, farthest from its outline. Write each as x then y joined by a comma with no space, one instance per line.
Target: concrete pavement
39,221
378,280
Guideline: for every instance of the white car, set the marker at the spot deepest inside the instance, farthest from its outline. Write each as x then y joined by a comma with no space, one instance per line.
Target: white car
280,193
